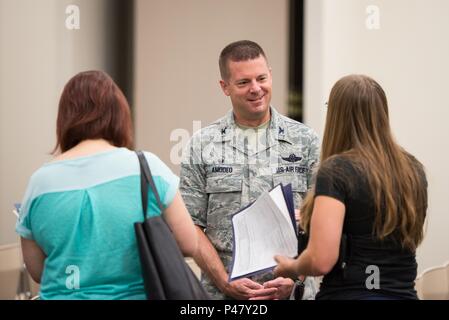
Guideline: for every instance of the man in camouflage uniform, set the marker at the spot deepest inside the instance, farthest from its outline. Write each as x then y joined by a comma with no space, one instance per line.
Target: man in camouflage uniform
228,164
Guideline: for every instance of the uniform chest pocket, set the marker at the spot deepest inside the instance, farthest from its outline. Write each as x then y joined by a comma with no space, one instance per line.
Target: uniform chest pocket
298,181
223,184
223,179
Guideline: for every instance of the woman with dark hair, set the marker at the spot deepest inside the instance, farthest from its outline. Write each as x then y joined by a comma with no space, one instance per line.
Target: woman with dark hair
77,216
366,212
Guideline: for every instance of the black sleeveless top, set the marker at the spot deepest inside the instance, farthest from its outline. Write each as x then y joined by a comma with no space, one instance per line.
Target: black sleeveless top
371,266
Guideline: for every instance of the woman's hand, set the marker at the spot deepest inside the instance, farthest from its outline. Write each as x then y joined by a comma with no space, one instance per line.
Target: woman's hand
286,267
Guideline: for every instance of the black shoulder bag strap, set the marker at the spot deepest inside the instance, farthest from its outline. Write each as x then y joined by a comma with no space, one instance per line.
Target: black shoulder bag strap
166,274
146,178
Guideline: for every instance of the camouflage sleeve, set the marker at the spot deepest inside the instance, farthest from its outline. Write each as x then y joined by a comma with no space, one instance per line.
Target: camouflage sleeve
314,154
193,184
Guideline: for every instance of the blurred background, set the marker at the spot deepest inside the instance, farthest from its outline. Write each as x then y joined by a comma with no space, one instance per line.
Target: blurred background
164,56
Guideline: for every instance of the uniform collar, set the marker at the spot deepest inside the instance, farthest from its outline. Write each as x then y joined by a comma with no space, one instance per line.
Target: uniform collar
277,131
278,127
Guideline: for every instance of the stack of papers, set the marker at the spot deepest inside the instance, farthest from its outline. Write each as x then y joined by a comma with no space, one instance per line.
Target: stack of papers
262,230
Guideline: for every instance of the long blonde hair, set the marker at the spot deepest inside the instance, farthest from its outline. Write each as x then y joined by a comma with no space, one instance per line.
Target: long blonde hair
357,127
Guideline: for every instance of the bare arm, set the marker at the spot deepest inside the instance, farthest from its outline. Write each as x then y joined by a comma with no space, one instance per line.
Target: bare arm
34,258
322,251
180,222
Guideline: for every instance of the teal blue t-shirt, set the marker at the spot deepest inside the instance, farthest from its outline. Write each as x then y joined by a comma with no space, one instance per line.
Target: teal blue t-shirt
81,212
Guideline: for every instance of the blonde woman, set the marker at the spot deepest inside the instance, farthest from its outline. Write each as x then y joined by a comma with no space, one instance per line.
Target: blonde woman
366,212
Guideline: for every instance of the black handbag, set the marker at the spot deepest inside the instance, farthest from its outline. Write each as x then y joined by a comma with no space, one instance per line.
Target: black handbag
166,274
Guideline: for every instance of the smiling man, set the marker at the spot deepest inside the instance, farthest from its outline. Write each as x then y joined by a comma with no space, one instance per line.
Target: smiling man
228,165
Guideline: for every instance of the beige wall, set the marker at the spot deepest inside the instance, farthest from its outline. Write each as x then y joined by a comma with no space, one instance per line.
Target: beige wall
38,55
408,55
176,59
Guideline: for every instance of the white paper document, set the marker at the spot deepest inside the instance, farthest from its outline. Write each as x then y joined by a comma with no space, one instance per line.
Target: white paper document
261,231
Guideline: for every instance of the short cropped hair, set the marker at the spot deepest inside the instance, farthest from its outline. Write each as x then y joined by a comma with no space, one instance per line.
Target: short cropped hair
242,50
92,106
